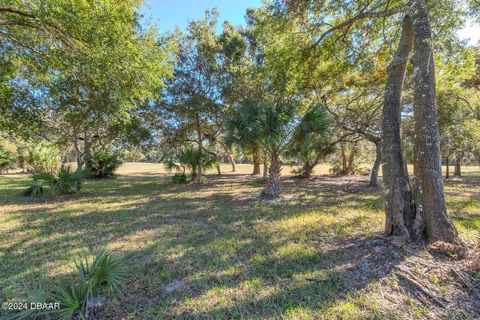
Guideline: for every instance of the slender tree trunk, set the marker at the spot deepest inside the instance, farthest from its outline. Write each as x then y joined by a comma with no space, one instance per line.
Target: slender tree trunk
399,207
219,171
229,156
273,183
429,192
80,162
256,161
351,158
458,169
265,168
87,154
447,174
200,149
344,160
79,167
376,165
307,170
78,156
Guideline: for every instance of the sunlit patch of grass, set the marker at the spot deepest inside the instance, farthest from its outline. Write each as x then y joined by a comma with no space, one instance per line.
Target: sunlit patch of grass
298,313
296,251
345,310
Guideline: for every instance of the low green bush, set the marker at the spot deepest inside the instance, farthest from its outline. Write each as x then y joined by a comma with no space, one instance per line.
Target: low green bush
179,178
7,161
64,181
337,170
41,157
104,164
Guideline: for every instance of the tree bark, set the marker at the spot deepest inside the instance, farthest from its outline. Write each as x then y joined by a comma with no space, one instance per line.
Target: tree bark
256,161
399,207
376,165
307,170
87,153
219,171
429,192
273,183
199,175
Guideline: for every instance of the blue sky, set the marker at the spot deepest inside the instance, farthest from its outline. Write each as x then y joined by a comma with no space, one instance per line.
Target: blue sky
167,14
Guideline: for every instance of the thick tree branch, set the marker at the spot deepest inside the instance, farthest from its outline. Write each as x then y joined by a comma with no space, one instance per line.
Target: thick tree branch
362,16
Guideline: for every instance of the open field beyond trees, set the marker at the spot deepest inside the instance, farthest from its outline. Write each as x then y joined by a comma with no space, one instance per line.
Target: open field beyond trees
215,251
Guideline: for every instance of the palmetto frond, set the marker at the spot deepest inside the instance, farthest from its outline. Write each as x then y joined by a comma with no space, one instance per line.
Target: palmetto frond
63,181
312,133
189,158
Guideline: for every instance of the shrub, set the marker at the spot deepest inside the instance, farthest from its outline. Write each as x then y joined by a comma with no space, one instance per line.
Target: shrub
64,181
6,160
189,158
104,164
179,178
94,282
337,170
42,157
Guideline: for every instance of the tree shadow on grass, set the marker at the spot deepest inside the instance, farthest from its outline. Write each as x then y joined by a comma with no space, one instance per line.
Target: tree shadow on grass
238,257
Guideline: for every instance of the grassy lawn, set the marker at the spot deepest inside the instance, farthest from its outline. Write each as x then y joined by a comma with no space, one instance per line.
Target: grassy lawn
215,251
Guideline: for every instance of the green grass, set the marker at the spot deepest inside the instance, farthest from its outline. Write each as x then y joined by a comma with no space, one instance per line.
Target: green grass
238,257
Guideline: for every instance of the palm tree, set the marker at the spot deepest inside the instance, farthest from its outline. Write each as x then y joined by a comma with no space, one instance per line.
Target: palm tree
263,125
311,139
276,126
239,131
189,158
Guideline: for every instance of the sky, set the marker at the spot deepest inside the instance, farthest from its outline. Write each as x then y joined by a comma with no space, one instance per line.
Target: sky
168,14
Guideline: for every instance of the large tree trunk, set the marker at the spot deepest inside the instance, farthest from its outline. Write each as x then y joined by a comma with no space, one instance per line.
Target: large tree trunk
399,207
256,161
458,169
429,192
273,183
376,165
199,174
